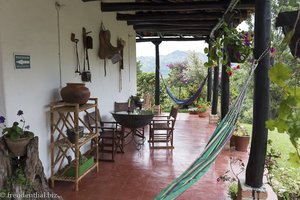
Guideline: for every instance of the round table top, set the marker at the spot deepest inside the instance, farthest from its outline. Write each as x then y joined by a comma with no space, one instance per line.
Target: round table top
133,119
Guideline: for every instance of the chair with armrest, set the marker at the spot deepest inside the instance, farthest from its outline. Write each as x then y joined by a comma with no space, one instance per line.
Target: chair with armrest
162,129
110,136
123,106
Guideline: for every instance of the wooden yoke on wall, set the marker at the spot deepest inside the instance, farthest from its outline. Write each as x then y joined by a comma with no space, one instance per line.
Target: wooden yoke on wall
107,50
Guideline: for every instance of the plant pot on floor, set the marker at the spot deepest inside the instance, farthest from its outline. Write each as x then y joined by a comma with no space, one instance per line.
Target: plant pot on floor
241,143
202,114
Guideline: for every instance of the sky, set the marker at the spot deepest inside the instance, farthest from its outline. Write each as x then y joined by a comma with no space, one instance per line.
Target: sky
148,48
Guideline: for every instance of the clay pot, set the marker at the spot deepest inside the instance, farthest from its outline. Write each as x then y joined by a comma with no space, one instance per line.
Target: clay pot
17,147
75,93
202,114
241,143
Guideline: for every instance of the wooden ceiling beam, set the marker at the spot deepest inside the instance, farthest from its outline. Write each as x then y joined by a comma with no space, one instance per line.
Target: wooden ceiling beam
183,32
179,6
174,23
171,39
149,6
168,16
159,27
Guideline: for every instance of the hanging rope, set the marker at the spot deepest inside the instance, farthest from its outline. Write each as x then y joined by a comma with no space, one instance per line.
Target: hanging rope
189,100
215,144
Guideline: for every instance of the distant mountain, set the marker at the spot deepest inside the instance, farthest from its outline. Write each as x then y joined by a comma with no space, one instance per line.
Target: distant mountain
148,62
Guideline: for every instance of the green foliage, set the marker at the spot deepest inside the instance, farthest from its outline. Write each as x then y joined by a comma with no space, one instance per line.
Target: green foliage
183,80
240,130
18,177
283,179
234,44
15,132
233,190
280,74
202,105
288,117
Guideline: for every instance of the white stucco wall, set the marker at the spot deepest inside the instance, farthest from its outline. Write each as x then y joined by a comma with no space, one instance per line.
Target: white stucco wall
31,27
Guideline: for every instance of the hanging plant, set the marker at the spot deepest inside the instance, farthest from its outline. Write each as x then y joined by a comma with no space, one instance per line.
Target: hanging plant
290,23
233,45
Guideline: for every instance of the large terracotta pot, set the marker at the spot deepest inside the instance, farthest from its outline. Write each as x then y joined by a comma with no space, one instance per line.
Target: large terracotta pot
241,143
75,93
17,147
202,114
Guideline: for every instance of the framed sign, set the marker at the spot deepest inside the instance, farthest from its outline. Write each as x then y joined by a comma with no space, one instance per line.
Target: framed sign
22,61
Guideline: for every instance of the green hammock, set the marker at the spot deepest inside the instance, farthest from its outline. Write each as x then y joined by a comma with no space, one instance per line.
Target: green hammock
215,144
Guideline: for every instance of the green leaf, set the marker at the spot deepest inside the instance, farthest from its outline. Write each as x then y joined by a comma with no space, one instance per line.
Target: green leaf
280,73
284,109
219,54
206,50
294,159
271,124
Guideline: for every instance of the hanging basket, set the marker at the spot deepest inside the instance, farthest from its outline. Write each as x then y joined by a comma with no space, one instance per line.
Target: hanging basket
235,56
287,20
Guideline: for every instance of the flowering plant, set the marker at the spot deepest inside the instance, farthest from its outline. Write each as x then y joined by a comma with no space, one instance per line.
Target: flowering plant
202,105
15,131
240,130
239,45
178,75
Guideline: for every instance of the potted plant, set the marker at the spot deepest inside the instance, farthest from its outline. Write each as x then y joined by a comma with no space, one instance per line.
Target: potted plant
234,46
16,137
193,111
233,190
241,138
202,108
290,23
237,166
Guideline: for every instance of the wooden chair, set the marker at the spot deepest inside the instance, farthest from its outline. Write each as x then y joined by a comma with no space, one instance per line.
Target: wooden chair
110,136
162,129
123,106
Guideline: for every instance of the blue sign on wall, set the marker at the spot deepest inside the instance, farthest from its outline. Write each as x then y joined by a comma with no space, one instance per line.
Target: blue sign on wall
22,61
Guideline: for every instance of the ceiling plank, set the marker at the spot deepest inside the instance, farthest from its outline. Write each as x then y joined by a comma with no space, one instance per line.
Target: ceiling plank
174,23
168,16
149,6
171,39
158,27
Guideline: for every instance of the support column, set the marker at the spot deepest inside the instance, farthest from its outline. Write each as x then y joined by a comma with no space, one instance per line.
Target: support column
213,117
157,78
209,83
224,90
255,167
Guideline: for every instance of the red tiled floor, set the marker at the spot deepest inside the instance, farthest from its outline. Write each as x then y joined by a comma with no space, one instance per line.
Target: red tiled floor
141,175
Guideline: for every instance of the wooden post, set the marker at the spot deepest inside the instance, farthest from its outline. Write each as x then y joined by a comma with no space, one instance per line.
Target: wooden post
209,84
209,81
255,167
157,77
224,91
214,107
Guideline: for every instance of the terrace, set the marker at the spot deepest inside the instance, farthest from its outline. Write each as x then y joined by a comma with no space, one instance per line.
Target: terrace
135,174
143,174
